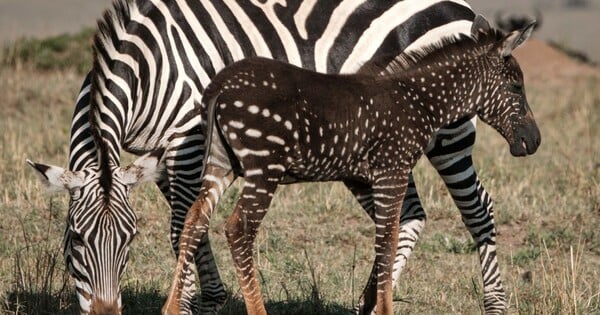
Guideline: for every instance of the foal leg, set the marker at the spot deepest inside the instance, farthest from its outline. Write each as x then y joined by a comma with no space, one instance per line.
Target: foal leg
450,154
194,231
180,185
388,193
412,221
241,229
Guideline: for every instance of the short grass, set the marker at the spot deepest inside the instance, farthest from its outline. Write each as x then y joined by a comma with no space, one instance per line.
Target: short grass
314,249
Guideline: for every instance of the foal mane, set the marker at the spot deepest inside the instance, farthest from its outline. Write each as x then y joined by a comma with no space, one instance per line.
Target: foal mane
447,48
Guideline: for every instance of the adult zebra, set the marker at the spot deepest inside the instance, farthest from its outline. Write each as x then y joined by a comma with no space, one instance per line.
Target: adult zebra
153,59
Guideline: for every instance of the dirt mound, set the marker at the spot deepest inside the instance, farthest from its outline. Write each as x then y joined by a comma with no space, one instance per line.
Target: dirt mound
543,64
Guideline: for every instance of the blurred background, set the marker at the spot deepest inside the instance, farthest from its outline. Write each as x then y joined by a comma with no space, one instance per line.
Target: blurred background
569,23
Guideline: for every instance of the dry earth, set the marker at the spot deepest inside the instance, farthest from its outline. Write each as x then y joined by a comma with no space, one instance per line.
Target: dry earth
543,64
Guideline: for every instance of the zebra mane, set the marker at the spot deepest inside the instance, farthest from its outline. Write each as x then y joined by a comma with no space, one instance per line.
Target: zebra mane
450,47
111,24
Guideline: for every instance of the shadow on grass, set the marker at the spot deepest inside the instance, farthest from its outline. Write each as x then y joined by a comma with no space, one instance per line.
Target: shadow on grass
136,300
149,301
39,303
235,306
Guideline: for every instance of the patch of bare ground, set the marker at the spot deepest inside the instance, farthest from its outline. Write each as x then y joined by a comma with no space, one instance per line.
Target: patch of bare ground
546,66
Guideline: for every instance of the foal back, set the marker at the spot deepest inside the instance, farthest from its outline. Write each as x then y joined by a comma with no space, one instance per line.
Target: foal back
310,126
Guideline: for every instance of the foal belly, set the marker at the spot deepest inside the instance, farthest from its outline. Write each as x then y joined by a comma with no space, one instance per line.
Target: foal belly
327,168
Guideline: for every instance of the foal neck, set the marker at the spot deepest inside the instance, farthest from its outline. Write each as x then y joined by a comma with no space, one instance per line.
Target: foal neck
442,89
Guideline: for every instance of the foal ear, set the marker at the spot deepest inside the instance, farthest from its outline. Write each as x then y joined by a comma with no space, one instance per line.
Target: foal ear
56,178
148,167
480,26
515,38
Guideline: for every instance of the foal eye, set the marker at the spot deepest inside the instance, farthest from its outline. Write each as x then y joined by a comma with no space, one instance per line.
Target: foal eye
516,87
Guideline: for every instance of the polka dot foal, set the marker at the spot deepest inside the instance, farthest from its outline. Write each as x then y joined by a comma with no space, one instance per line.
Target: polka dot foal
282,124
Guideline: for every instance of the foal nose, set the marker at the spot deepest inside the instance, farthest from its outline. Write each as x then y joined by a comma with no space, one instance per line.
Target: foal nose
526,140
537,140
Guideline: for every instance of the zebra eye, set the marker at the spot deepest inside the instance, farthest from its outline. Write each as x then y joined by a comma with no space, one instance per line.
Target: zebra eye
76,240
75,193
522,109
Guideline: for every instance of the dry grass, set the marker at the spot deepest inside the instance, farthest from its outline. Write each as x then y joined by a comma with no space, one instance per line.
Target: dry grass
314,250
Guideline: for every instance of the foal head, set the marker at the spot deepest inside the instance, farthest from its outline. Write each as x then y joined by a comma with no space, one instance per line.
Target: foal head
500,100
470,75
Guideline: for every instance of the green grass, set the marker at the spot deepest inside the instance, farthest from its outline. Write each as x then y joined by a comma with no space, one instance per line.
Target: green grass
68,51
314,249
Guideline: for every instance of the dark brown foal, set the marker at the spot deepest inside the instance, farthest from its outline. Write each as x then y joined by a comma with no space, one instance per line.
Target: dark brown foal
274,124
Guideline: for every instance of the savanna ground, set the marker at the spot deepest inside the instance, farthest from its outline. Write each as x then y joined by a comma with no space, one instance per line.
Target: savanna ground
314,250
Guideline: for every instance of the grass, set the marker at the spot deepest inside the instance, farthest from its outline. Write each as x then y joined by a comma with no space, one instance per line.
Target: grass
68,51
314,250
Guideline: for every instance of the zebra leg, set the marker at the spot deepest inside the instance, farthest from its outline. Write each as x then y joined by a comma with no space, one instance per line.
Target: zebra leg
180,187
450,154
412,221
241,229
194,231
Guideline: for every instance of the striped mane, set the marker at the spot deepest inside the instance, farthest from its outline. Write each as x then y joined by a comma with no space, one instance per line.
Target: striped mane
112,23
447,48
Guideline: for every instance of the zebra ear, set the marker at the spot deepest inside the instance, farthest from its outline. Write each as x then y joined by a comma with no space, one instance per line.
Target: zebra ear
515,38
480,26
148,167
56,178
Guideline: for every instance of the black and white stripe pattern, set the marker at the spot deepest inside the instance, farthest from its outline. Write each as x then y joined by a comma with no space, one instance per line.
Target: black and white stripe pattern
159,55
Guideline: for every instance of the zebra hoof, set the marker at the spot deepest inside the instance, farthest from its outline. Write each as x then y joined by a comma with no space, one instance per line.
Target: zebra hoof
361,309
495,304
211,303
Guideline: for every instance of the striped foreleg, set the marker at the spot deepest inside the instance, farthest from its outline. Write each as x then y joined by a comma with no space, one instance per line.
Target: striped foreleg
241,229
412,221
181,185
494,296
195,228
450,154
476,208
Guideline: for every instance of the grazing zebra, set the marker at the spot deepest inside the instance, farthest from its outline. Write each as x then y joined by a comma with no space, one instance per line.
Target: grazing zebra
153,60
273,123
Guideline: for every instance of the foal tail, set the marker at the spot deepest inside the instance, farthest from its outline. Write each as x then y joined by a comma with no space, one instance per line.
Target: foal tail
209,100
218,152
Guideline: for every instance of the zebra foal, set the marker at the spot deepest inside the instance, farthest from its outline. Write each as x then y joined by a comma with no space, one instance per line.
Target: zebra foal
273,123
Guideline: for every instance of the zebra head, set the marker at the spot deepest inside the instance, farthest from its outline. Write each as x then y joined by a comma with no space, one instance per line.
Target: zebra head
501,96
100,227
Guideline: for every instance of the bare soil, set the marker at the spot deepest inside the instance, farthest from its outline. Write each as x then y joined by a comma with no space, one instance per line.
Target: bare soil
543,64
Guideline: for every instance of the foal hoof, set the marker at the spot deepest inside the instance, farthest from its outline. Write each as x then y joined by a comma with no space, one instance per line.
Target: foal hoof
170,310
